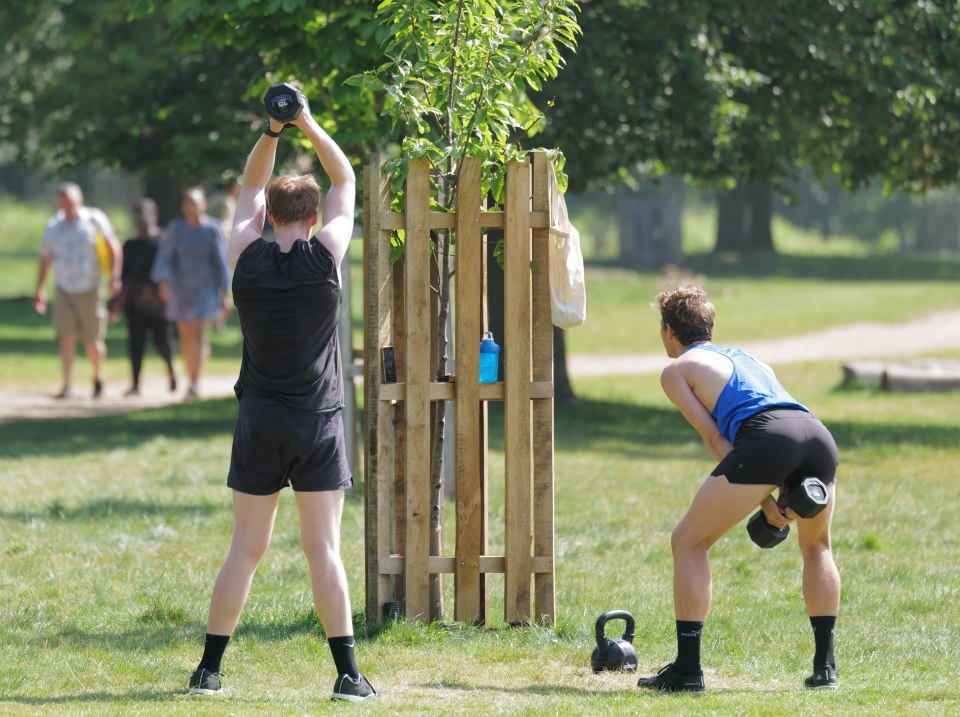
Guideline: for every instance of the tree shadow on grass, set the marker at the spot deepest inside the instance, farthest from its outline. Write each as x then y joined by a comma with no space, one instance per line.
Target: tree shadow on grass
102,508
196,420
125,696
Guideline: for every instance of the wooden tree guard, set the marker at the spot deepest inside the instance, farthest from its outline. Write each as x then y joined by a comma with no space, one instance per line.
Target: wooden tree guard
397,460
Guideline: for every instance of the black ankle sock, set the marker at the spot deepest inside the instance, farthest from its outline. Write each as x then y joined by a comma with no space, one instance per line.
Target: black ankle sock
342,650
823,630
688,646
213,647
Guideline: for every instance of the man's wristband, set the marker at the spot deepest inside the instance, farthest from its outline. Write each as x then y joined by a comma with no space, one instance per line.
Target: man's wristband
269,132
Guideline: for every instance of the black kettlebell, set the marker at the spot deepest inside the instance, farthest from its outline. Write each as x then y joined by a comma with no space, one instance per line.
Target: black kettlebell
614,653
284,102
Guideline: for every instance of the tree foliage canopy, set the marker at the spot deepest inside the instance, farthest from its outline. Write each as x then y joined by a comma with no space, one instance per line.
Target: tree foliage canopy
730,90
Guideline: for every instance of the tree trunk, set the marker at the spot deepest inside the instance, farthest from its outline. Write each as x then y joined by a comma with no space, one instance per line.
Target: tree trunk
744,216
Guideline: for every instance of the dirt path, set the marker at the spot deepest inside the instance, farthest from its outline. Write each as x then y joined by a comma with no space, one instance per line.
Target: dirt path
935,332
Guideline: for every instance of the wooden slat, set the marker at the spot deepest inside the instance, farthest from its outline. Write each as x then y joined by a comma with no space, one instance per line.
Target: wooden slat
471,519
378,289
447,391
397,419
488,564
417,399
542,367
517,411
392,221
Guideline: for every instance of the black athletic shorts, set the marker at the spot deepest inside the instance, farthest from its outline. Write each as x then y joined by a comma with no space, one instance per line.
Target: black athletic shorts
275,445
780,447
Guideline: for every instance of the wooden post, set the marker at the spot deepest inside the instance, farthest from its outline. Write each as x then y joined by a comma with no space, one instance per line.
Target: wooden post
376,332
517,416
470,413
542,337
416,405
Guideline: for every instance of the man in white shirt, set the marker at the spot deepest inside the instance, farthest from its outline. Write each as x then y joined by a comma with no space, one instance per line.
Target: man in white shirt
69,244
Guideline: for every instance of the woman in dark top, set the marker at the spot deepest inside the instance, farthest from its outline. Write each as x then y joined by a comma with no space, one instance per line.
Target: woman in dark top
140,298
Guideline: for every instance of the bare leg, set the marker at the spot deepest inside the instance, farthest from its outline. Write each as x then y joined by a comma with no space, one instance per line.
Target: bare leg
97,352
320,538
821,579
67,345
253,525
717,507
192,347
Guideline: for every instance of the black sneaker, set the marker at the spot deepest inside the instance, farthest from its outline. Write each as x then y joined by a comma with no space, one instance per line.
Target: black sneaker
670,680
97,388
822,677
346,689
204,682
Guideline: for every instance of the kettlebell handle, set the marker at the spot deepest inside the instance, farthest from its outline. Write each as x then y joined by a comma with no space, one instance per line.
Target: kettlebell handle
614,615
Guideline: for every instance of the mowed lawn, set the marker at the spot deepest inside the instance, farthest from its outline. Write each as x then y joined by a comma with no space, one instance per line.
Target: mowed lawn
112,530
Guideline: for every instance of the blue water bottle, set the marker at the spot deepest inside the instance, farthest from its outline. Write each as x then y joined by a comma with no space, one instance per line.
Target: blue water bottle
489,359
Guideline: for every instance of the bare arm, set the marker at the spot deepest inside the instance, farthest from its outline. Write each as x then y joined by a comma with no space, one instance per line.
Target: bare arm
337,226
678,390
251,212
39,298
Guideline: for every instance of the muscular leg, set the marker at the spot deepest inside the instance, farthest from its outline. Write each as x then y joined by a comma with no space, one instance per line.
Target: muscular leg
253,526
717,507
821,580
320,539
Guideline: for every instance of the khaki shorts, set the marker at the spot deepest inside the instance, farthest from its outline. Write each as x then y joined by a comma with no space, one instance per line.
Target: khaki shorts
82,315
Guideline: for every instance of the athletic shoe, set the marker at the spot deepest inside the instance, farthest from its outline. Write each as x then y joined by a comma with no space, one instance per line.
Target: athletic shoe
204,682
669,680
97,388
345,688
132,392
823,677
64,393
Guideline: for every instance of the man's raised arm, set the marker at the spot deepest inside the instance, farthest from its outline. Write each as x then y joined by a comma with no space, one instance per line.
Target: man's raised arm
337,225
251,210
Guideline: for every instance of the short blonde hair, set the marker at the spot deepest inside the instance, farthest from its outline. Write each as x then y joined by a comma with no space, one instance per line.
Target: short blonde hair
293,198
689,312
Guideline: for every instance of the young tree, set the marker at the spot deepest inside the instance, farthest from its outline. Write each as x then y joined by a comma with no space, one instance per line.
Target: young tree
456,84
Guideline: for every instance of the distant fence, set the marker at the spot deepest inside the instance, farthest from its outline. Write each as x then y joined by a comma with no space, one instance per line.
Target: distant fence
398,428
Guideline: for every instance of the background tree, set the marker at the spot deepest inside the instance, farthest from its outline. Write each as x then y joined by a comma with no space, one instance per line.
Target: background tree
739,96
94,87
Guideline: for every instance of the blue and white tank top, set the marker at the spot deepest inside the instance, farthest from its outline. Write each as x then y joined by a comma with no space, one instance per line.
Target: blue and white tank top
751,389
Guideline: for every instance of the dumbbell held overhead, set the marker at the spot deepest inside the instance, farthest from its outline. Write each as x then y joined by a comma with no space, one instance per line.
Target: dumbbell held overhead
284,102
806,500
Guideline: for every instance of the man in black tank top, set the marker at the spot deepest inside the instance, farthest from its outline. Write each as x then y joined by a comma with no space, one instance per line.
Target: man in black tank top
289,428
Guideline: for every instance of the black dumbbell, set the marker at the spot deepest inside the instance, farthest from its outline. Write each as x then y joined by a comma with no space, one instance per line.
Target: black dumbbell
284,102
806,500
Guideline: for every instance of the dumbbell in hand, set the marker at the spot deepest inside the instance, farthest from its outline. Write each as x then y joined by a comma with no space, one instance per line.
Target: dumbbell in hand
806,500
284,102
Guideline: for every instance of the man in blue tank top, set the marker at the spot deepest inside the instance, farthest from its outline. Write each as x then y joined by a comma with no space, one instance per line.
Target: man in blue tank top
763,439
289,428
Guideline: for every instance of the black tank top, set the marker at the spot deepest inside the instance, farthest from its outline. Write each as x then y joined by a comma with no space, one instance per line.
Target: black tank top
289,309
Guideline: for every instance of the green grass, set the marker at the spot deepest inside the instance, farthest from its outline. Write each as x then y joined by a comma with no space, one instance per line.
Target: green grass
112,530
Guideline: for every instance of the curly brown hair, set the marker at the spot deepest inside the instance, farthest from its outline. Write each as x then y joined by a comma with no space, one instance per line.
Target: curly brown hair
689,312
293,198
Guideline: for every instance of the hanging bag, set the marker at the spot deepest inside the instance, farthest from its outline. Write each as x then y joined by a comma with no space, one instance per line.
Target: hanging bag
568,293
